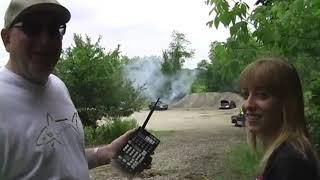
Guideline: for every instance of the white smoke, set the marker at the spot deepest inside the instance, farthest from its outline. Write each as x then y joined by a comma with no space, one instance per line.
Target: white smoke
146,73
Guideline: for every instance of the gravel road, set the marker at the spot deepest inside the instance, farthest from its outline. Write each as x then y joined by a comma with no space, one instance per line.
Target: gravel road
193,145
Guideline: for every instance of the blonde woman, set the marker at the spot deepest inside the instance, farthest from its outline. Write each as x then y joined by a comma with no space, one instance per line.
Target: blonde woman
274,111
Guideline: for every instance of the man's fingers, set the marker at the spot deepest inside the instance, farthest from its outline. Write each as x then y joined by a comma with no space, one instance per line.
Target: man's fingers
129,133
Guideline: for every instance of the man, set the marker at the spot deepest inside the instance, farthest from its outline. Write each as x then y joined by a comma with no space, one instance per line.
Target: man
41,135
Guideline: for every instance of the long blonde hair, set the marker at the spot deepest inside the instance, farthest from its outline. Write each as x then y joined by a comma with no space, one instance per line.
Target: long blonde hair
282,80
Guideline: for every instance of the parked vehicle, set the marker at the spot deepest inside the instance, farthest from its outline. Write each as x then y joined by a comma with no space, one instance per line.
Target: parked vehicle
227,104
160,106
239,120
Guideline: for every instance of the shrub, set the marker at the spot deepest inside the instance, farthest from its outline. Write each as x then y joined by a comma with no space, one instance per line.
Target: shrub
108,132
243,161
96,82
312,99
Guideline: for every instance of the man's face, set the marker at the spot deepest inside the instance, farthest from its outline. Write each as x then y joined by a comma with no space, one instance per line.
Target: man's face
34,43
263,111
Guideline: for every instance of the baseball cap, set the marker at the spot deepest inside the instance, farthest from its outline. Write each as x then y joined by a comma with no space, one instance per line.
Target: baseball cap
18,8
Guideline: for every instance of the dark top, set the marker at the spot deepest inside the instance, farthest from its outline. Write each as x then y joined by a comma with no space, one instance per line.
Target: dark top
287,163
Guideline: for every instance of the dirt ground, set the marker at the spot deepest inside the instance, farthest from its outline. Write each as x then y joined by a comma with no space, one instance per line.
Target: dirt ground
193,145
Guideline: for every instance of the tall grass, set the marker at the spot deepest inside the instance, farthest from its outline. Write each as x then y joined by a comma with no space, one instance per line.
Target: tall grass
108,132
243,161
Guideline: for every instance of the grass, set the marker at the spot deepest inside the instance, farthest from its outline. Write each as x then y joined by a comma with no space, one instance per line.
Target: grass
243,161
160,134
113,129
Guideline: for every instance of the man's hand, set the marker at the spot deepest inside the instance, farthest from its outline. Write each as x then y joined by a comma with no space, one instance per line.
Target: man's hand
102,155
106,153
117,144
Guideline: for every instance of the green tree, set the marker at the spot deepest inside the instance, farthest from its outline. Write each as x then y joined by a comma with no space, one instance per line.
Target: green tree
94,79
287,28
199,85
175,56
173,59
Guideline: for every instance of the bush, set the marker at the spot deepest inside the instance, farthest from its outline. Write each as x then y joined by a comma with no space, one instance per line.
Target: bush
312,100
198,86
107,133
313,117
89,116
243,161
95,80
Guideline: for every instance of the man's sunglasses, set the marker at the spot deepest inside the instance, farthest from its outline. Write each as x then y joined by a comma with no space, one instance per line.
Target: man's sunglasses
34,28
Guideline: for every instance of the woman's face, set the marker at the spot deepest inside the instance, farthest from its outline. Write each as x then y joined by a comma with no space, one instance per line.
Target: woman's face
263,111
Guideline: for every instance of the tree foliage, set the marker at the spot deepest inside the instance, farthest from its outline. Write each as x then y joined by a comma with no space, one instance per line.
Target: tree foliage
172,62
200,83
94,79
287,28
175,56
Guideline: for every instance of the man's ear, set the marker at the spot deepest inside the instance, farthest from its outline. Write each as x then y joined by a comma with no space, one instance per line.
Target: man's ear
5,35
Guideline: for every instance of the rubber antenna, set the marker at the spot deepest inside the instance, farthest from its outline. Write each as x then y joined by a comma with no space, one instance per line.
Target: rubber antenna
150,113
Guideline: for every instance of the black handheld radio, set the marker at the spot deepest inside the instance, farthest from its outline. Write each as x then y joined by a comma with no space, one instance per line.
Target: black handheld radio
135,154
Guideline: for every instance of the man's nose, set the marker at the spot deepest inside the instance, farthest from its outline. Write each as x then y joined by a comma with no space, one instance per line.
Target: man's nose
44,36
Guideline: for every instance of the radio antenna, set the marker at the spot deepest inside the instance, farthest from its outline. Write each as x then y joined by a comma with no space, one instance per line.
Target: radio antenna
150,113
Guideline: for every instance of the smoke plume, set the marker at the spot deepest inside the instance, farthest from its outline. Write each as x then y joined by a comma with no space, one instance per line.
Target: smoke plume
146,73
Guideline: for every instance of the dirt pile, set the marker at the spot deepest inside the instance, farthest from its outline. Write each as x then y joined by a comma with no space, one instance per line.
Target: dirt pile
206,100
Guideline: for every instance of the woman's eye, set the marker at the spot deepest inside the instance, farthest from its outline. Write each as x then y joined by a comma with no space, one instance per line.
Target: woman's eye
244,95
262,95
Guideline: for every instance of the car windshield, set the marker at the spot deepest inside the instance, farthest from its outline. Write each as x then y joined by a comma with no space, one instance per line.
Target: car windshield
224,103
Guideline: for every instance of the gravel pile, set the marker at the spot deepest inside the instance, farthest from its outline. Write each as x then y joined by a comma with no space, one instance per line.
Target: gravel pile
205,100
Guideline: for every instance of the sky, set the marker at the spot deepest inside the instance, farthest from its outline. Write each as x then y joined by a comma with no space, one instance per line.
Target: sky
141,27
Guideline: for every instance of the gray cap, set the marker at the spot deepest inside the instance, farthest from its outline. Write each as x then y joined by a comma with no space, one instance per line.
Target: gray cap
17,8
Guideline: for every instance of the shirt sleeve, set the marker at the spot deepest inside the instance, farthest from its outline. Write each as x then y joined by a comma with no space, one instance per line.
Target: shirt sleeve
292,168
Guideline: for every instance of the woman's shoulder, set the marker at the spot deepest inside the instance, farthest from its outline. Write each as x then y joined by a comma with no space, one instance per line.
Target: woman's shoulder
287,150
288,161
289,154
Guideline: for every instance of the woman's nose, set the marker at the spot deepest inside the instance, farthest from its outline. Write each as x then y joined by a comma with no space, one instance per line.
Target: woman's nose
249,103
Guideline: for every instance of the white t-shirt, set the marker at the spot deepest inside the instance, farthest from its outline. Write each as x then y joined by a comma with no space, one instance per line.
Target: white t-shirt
41,135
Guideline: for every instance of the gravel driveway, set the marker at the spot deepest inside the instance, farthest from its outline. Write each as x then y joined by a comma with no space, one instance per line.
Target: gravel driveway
193,145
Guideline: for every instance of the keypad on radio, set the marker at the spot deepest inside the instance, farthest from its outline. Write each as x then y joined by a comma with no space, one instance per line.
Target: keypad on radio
138,148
